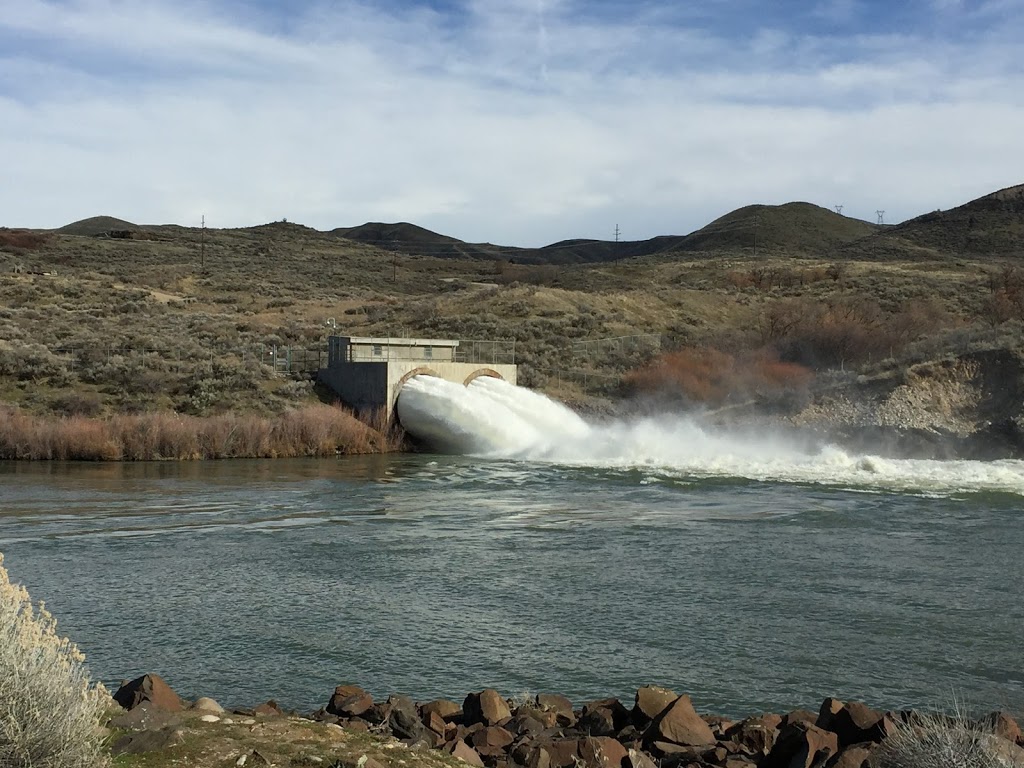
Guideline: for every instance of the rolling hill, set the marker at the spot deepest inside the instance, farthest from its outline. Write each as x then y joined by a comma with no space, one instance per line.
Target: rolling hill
794,227
992,225
800,228
414,240
97,225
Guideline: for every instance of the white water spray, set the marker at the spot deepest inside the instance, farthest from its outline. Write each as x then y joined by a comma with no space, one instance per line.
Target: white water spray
494,419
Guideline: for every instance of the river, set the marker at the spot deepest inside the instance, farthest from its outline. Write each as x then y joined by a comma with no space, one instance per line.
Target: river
437,575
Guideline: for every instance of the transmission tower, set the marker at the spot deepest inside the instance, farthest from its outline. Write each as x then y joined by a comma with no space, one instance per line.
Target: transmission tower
881,217
617,233
839,209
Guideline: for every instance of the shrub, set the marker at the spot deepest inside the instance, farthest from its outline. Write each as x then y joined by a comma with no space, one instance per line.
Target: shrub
714,377
17,238
77,403
845,330
50,711
33,362
941,741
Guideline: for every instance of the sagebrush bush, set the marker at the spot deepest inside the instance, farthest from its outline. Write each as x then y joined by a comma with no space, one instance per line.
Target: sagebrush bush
50,711
943,741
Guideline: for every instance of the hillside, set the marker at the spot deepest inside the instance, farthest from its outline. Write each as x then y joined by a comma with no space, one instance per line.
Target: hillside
992,225
207,321
801,228
414,240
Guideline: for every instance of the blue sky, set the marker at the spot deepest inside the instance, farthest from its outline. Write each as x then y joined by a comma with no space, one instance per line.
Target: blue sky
512,121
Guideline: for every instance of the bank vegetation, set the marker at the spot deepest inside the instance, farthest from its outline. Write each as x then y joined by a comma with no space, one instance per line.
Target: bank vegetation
313,430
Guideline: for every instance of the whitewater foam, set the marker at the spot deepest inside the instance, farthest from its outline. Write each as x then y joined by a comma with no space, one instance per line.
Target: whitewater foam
494,419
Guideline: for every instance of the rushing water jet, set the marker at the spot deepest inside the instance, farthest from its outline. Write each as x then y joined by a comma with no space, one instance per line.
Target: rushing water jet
494,419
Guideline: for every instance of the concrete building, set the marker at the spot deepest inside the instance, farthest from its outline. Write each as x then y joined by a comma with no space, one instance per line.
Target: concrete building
367,373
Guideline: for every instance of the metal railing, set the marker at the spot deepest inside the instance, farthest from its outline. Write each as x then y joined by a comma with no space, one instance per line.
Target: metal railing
479,351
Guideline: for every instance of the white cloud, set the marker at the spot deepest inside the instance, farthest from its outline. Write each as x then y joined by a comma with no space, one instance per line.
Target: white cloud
522,124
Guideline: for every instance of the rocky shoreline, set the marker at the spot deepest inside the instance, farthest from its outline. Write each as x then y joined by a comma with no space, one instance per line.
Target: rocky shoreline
658,729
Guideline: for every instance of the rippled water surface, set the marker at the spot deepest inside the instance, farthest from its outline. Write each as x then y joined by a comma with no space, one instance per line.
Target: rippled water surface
434,576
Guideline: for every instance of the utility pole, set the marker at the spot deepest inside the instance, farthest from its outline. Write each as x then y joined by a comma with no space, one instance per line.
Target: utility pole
202,245
617,232
839,209
881,217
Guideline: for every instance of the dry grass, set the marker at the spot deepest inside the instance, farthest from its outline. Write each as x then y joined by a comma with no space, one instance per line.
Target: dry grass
943,741
316,430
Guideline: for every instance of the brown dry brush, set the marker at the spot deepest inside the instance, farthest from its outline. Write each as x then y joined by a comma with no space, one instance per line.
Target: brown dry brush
846,330
712,377
21,239
317,430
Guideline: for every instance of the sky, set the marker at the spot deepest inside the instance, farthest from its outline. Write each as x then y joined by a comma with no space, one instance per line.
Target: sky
520,122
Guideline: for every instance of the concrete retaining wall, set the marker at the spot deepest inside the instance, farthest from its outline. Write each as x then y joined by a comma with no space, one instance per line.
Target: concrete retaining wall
369,387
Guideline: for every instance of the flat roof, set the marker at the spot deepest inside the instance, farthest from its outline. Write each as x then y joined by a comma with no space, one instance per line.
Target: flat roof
397,342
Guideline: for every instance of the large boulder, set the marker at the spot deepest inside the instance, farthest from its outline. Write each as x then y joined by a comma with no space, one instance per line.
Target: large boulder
435,722
602,752
1005,726
755,735
465,753
599,721
151,688
804,716
559,706
528,723
801,746
828,710
650,702
554,702
854,756
204,704
443,707
268,708
349,701
855,723
680,724
532,756
637,759
487,707
404,722
491,740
